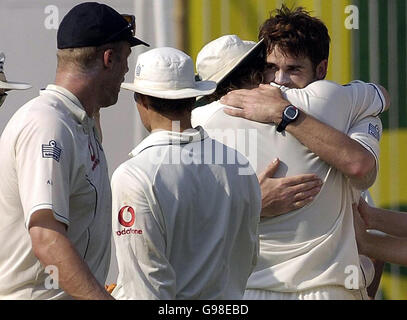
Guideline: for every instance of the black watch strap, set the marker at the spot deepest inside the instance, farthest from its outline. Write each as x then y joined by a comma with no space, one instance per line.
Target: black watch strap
283,124
290,114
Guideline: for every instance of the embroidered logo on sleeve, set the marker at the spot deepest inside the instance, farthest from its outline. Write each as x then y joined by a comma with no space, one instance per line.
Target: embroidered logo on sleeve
51,150
127,218
374,131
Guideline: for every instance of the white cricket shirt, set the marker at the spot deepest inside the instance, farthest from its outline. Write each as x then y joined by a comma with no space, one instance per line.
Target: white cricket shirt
312,246
184,220
51,159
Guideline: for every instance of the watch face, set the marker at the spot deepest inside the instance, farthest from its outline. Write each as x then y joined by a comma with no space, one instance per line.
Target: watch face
291,113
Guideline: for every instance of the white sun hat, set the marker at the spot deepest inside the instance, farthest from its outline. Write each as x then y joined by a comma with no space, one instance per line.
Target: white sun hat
8,85
220,57
168,73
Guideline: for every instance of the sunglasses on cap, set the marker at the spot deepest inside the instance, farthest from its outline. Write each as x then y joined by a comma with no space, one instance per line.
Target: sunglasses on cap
131,26
131,20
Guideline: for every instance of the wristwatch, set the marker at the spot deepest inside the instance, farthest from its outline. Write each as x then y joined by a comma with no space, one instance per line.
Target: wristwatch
290,114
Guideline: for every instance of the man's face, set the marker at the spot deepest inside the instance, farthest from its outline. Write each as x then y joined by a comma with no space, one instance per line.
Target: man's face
119,69
292,72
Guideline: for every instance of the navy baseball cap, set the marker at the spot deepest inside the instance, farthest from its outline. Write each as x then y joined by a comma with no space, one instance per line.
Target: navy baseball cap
93,24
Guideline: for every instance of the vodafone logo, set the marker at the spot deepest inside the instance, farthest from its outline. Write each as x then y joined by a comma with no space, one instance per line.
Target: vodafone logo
127,216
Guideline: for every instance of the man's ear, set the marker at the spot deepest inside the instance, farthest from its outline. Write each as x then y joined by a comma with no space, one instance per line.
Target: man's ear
141,99
108,58
322,69
142,107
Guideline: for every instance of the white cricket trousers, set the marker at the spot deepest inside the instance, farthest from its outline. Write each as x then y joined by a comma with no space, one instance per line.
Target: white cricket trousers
321,293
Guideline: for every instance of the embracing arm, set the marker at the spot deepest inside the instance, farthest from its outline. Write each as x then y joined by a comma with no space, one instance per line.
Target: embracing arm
52,247
337,149
266,104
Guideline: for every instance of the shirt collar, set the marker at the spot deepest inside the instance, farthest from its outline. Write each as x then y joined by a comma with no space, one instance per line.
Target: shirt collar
163,138
281,87
71,102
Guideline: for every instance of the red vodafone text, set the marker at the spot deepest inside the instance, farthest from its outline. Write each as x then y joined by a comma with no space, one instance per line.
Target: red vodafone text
127,218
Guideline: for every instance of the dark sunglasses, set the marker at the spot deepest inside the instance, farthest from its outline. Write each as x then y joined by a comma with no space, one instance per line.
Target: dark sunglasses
131,20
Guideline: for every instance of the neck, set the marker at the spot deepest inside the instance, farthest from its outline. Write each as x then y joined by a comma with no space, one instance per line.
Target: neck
82,86
176,123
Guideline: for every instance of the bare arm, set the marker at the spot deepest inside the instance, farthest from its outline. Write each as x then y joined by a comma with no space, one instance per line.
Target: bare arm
381,247
266,104
351,158
378,271
52,247
385,248
391,222
378,264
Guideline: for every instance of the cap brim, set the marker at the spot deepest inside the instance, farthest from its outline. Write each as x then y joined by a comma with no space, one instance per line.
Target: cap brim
222,74
137,42
202,88
14,85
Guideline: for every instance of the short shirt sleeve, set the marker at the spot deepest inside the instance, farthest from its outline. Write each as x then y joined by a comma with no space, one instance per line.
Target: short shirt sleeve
43,157
330,102
368,133
367,99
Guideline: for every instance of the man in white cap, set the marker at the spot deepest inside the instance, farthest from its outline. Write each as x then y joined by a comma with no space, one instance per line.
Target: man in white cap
238,64
296,259
55,196
185,207
298,48
8,85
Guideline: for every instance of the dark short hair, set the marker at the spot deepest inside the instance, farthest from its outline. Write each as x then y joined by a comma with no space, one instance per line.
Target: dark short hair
295,32
168,106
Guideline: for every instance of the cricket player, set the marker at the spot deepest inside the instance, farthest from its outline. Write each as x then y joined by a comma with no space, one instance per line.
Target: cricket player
234,63
297,72
8,85
297,259
185,207
55,196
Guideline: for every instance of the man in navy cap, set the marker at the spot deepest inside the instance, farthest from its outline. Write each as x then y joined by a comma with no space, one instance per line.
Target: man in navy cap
55,197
